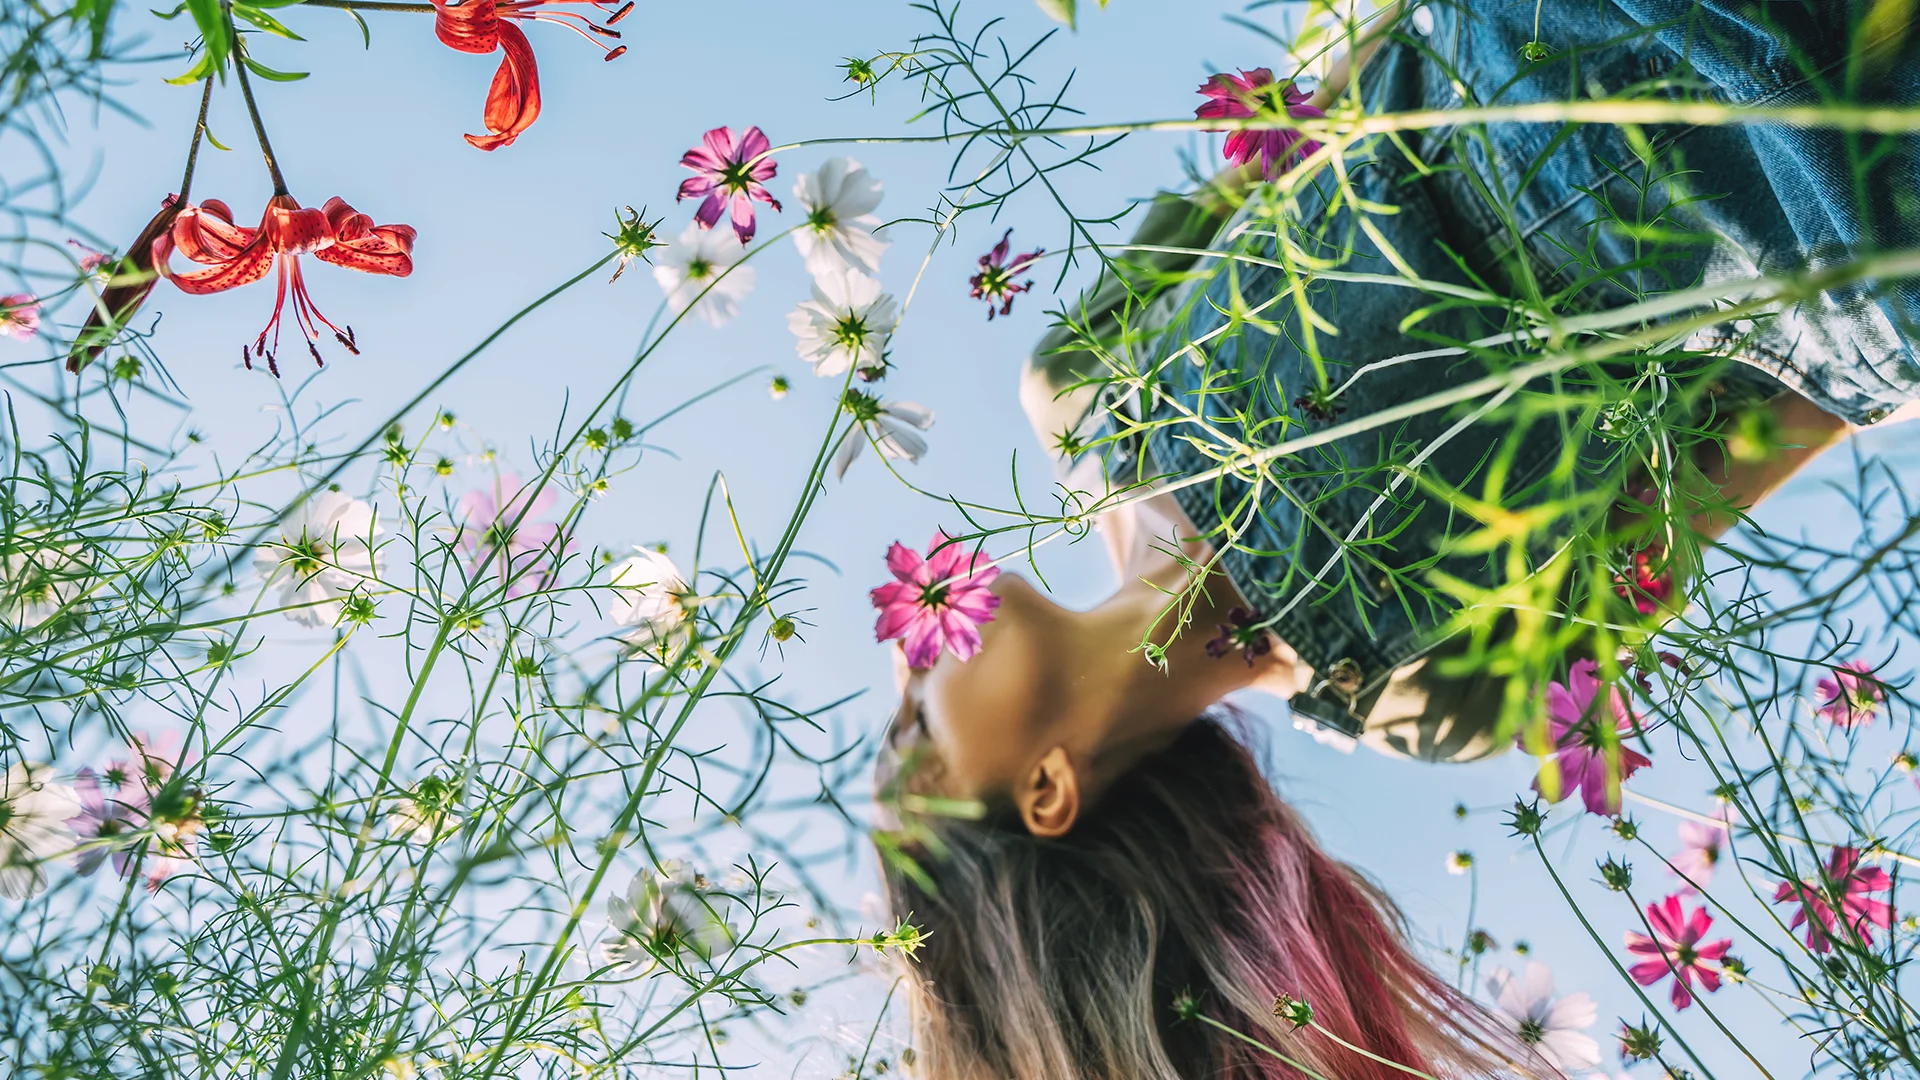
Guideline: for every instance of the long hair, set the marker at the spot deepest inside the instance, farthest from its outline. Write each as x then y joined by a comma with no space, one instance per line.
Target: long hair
1189,887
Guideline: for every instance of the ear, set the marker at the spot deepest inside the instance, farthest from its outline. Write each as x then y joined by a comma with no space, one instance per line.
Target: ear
1049,798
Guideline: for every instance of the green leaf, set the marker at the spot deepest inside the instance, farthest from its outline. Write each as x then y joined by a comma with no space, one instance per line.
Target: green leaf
265,21
366,35
95,14
1060,11
174,14
266,72
200,70
215,31
207,133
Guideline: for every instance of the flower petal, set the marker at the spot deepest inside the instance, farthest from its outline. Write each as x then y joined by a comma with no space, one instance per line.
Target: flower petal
513,101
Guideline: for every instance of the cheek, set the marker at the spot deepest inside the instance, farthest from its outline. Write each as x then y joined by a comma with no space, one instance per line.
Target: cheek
982,714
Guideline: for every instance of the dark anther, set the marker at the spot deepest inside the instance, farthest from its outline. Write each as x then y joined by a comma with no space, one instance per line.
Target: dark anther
346,339
625,10
273,365
616,54
603,31
246,357
315,350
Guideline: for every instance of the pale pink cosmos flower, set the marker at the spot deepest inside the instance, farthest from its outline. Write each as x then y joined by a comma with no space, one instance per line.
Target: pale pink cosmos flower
936,602
1676,949
104,818
19,315
1851,696
731,173
124,805
498,532
1254,93
1851,882
1582,759
1700,844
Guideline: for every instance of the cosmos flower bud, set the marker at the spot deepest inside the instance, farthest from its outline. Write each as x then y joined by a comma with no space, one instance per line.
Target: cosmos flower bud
1615,875
1293,1011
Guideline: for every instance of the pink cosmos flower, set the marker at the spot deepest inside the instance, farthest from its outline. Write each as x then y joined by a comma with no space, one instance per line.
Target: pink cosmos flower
1852,696
1584,760
1676,949
497,531
1254,93
994,283
730,172
19,315
937,602
1851,882
91,258
1699,853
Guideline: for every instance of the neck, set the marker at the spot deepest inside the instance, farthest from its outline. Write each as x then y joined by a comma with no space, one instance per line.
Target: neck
1137,699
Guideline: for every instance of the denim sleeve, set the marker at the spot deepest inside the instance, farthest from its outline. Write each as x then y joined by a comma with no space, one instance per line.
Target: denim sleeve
1829,196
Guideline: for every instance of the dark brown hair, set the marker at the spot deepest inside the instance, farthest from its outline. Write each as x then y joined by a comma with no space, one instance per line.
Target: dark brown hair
1190,886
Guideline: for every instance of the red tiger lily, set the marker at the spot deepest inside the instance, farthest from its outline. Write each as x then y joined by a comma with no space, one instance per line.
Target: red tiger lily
235,255
483,26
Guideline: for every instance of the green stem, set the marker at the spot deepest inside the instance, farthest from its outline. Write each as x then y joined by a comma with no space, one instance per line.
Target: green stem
1365,1053
1258,1045
1615,961
253,110
193,148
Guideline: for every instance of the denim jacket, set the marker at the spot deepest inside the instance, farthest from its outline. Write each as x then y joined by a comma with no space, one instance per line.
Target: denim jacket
1766,199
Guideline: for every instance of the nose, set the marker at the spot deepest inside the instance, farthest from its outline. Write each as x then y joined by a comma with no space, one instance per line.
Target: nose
902,673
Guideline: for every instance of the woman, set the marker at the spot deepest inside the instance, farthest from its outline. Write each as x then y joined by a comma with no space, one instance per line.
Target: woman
1128,897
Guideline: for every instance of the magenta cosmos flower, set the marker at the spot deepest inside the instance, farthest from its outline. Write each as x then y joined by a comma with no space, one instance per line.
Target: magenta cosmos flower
995,282
936,602
729,172
1254,93
1584,755
1676,949
1852,696
1851,883
497,531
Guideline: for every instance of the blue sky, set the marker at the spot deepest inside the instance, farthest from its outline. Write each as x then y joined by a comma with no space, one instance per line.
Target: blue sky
381,128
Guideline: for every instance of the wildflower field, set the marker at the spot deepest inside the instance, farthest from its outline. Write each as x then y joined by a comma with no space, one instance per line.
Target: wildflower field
465,462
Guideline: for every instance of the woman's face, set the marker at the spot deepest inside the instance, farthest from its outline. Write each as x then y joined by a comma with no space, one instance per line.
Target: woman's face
989,718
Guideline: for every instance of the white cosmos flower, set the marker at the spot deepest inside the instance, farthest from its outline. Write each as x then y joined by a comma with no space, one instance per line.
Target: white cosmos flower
671,913
838,233
1555,1028
887,424
697,259
424,814
324,551
36,583
651,595
33,827
846,324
